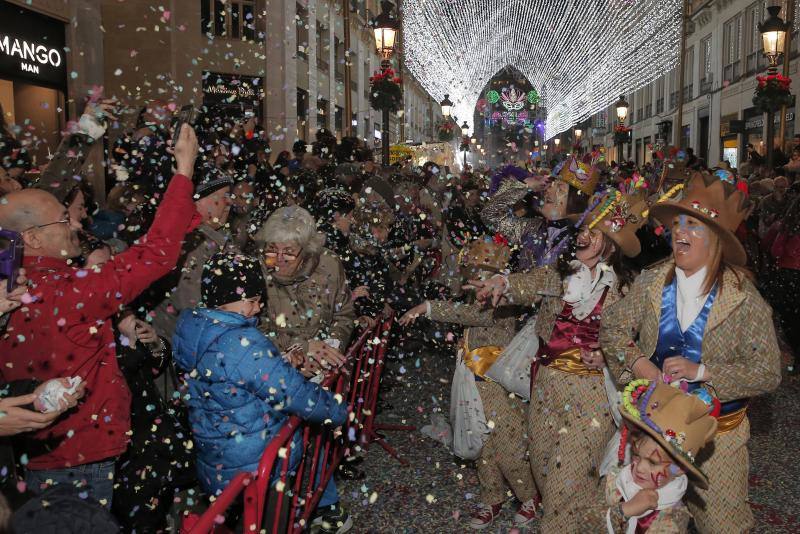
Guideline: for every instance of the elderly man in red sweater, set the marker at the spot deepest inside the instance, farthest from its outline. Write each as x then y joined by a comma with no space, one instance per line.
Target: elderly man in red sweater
64,327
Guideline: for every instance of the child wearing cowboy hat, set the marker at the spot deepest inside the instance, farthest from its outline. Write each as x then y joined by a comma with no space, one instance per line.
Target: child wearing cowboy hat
665,428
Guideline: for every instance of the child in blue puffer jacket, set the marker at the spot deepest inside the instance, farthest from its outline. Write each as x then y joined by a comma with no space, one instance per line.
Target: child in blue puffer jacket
240,390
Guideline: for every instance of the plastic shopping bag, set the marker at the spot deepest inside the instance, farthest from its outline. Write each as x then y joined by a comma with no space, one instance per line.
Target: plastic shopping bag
512,369
467,417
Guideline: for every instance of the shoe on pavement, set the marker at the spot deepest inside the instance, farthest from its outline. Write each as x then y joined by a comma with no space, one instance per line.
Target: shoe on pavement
527,512
484,516
333,519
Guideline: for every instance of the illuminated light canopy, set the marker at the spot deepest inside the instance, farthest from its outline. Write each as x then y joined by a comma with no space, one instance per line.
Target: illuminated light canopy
580,55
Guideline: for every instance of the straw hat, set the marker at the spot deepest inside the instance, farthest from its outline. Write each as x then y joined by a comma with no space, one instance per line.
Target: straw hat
681,423
715,200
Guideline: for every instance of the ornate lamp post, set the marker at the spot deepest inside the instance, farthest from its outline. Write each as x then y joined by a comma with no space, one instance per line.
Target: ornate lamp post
773,38
622,113
465,141
385,28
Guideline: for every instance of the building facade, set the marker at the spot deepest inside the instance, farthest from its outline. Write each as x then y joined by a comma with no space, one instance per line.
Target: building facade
284,59
723,57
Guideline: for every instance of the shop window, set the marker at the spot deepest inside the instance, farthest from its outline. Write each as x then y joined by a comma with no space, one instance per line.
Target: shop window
322,113
301,20
323,47
302,113
338,123
232,19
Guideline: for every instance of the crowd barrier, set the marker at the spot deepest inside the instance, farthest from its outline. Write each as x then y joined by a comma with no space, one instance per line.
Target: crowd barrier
285,505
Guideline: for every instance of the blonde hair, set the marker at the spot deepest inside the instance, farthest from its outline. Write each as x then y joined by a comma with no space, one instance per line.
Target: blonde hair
715,268
291,224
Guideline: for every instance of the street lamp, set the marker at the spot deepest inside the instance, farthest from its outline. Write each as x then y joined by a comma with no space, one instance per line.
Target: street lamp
773,38
385,28
578,133
465,129
622,114
622,108
447,106
557,141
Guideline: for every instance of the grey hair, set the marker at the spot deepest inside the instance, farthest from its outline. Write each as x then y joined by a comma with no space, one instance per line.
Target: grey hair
291,224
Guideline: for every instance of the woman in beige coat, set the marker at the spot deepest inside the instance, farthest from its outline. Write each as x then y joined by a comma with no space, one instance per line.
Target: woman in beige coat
697,320
309,311
569,421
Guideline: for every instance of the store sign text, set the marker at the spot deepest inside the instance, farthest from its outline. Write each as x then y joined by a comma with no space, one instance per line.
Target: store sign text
32,55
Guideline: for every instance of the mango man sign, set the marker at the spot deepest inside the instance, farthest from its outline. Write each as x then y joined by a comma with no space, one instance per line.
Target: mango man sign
31,47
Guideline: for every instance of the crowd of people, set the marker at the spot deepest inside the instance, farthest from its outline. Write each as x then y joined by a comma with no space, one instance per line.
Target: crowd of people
609,323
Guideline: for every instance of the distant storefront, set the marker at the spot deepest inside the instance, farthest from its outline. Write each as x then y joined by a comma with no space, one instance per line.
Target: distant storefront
234,94
33,76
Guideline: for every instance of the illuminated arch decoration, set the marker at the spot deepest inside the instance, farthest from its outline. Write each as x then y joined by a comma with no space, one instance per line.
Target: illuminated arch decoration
579,54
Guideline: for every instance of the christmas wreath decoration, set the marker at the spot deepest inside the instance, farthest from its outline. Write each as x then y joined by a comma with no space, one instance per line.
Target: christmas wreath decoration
772,92
622,134
445,131
385,92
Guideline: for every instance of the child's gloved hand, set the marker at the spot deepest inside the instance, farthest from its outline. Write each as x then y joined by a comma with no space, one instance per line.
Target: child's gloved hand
644,501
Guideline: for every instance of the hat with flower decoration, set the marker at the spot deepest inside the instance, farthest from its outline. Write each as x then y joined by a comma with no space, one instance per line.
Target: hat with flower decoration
582,175
717,201
680,423
619,214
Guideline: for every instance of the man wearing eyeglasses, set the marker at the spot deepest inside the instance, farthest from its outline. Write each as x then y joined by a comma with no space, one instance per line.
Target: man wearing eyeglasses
63,327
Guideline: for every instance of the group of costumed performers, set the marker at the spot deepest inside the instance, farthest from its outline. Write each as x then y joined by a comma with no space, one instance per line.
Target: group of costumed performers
691,336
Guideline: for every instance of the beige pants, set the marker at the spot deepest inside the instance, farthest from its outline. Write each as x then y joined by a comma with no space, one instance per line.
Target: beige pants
723,507
569,426
503,463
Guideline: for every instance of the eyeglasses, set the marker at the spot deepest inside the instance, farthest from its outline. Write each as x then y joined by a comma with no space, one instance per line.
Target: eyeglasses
65,220
286,255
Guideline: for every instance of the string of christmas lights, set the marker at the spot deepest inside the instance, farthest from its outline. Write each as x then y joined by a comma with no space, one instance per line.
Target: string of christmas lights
580,55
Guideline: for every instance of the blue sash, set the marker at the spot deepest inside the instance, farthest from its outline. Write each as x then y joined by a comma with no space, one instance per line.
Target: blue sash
674,342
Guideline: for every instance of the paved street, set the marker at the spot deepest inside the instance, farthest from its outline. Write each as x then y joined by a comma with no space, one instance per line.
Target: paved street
437,492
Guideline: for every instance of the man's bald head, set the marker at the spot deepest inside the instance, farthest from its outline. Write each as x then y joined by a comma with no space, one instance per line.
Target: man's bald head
26,208
43,222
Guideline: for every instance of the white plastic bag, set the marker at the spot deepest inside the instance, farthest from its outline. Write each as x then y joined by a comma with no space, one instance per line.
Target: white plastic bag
512,369
467,417
610,456
439,430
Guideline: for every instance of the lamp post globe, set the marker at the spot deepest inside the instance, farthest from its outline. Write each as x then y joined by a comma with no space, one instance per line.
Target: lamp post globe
773,36
385,28
622,108
465,129
447,106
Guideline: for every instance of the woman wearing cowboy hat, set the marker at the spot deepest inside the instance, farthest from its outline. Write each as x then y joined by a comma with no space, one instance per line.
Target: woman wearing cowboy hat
568,419
698,319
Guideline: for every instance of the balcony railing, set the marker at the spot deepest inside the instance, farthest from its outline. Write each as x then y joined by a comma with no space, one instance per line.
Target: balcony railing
705,85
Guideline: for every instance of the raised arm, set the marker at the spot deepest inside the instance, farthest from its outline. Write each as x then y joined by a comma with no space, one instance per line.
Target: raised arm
99,293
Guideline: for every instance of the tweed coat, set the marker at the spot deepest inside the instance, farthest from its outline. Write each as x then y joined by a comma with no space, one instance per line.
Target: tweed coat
544,286
740,350
498,213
